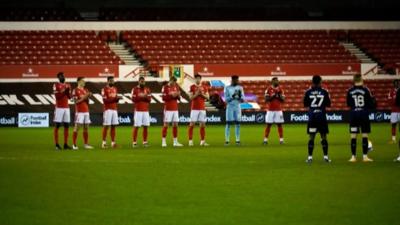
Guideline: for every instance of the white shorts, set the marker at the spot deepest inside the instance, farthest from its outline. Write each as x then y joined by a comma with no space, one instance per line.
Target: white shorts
82,118
198,116
274,117
141,119
394,117
171,116
62,115
110,117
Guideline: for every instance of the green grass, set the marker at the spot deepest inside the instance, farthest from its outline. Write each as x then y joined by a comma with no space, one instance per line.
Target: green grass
218,185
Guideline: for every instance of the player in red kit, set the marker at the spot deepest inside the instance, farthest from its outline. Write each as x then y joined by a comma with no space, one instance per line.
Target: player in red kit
141,97
62,92
170,95
198,94
274,96
110,114
82,118
395,110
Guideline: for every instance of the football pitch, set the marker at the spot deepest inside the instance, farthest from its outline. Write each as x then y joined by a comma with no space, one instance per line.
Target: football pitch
215,185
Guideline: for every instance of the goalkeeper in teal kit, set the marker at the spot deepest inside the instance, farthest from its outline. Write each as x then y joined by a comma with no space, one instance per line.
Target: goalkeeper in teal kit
234,95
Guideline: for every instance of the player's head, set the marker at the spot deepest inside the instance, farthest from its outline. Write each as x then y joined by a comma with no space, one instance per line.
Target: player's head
142,82
80,81
396,83
61,77
275,82
197,77
357,79
172,80
235,80
317,80
110,81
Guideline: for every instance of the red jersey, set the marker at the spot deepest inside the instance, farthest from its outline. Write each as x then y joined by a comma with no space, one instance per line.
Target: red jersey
198,103
170,103
141,98
62,91
110,97
79,93
392,100
274,104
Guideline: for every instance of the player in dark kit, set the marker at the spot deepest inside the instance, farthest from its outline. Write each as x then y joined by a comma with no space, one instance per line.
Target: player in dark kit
360,101
316,99
397,102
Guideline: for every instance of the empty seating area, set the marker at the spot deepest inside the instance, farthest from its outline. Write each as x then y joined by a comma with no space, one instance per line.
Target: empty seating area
55,48
382,45
294,92
228,47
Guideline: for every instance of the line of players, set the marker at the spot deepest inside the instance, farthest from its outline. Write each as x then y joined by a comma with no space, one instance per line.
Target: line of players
141,96
316,99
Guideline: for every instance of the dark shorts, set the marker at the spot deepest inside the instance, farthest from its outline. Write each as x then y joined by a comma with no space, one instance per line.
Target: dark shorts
317,123
359,122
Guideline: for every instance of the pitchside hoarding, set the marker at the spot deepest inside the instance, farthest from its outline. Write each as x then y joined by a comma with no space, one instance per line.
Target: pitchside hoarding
16,98
33,120
212,118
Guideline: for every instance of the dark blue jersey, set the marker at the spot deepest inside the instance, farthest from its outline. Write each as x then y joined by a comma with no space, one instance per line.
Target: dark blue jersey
316,99
359,98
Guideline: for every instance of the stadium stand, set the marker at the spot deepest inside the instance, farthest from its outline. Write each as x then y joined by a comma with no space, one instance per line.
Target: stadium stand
157,47
236,47
382,45
55,48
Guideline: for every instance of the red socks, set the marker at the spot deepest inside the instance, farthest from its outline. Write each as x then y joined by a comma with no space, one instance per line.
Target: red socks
190,132
85,136
105,130
164,131
66,134
134,134
267,130
280,130
145,134
56,135
74,136
202,133
393,129
175,131
113,134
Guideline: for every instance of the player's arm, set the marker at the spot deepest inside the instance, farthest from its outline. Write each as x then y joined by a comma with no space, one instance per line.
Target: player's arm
79,99
392,98
178,95
241,94
349,99
58,93
306,100
106,98
267,96
67,91
327,99
397,100
281,96
192,93
165,94
226,95
206,95
134,96
147,98
371,100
